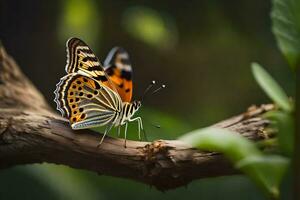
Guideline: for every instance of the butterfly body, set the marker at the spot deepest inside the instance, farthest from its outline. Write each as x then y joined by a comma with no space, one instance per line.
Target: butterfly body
128,110
91,95
120,118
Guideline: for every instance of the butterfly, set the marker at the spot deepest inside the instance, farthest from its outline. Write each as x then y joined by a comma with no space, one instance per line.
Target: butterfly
91,95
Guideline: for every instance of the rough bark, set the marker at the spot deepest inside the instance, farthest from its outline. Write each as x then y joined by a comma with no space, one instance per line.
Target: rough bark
31,132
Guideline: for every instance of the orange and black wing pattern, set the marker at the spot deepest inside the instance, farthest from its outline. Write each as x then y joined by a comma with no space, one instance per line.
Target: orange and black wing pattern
86,95
118,68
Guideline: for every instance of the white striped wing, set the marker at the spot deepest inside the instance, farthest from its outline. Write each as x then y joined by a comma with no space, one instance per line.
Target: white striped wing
87,102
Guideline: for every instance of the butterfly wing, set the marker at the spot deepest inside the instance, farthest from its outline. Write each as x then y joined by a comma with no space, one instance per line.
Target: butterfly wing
117,66
86,102
85,95
82,60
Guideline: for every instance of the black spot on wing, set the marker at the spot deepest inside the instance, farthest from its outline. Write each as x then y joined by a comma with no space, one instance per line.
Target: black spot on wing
110,70
89,51
95,68
101,78
121,85
94,59
97,85
127,75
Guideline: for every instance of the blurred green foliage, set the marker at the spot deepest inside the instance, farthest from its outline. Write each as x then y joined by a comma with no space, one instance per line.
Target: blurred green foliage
284,125
286,27
233,145
266,170
32,182
80,19
271,88
150,26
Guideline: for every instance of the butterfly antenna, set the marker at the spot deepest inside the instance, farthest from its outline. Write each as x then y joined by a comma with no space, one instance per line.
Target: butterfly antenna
158,89
148,89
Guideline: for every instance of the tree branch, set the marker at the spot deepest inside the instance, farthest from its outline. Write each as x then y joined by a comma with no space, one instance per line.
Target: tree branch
30,132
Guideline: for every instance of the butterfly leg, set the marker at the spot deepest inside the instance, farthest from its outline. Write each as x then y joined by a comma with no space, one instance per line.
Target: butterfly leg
140,127
108,128
119,130
144,132
125,134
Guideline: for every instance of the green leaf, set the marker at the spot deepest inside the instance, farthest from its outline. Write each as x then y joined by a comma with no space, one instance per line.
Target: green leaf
284,123
286,28
271,87
266,171
233,145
